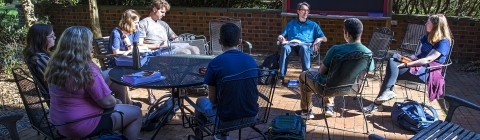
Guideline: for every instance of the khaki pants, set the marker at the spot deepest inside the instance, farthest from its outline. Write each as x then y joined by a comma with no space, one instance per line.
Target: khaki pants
306,93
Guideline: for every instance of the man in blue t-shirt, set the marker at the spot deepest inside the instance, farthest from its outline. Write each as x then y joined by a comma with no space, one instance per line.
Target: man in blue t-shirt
353,29
231,62
305,30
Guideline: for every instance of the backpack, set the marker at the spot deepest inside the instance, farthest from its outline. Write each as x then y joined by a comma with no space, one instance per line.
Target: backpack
411,115
158,111
287,127
270,63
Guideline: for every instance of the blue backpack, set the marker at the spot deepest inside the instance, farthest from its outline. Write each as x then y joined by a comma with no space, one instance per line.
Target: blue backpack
411,115
287,127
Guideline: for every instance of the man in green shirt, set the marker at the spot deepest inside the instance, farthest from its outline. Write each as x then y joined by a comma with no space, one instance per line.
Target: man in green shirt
352,32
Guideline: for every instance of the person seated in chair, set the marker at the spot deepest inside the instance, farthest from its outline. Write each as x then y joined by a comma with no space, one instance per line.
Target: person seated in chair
77,90
40,40
352,32
155,33
434,49
120,42
232,61
305,30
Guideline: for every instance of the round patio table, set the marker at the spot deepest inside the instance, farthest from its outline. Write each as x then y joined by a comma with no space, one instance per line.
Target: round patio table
180,71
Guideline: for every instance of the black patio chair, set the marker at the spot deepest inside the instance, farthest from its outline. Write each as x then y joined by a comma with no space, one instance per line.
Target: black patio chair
233,93
346,76
409,43
214,29
36,108
10,122
379,44
39,81
195,40
445,130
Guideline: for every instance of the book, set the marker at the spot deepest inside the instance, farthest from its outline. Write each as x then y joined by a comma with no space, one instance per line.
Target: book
128,61
142,77
401,58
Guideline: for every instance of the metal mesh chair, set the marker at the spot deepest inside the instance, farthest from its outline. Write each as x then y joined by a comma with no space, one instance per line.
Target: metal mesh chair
346,76
410,39
379,44
100,50
214,27
195,40
233,96
36,108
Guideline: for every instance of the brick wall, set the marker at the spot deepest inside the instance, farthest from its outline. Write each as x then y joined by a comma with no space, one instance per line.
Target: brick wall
261,27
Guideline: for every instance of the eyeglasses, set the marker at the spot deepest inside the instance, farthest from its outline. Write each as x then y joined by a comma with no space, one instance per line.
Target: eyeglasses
304,10
51,36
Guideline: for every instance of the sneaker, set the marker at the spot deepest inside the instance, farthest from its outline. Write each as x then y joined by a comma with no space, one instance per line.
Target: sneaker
279,83
220,137
373,108
387,95
305,114
137,104
329,111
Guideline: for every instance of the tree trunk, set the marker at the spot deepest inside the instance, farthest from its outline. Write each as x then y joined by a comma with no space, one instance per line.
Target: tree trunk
95,21
29,11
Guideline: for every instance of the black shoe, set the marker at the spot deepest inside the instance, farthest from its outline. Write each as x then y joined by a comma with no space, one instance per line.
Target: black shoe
137,104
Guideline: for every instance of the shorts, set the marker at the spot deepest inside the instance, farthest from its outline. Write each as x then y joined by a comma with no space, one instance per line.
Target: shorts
106,123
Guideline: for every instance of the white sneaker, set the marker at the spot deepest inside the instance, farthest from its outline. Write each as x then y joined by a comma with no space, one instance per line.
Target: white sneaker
305,114
329,111
387,95
372,108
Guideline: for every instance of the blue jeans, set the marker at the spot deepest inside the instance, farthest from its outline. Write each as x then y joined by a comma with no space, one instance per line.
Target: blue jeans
209,110
302,50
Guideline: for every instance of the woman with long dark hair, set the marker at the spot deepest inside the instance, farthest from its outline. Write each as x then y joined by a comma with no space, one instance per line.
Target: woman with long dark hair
78,90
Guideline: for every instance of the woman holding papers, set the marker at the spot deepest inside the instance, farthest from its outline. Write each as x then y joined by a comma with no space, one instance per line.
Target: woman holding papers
78,90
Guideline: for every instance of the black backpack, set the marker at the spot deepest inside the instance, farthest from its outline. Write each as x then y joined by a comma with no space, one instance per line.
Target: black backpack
270,63
158,111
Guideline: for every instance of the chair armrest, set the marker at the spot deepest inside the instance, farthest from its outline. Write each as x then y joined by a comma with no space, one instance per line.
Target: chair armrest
455,102
438,66
106,56
249,46
375,137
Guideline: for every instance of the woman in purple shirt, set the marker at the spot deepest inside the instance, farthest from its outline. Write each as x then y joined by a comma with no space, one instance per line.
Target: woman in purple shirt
434,49
77,90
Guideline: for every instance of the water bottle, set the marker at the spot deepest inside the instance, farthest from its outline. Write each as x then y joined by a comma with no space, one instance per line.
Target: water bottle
136,56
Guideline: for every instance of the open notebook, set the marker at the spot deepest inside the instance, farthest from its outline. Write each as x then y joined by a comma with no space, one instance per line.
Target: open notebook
142,77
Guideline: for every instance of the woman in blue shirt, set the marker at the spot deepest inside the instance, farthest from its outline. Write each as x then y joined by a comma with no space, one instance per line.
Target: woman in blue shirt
435,47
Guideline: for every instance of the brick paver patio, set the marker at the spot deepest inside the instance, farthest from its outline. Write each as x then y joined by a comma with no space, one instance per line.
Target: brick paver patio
352,126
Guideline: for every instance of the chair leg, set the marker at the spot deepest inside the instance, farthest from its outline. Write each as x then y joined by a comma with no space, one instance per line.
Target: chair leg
325,115
343,108
240,133
406,90
360,101
260,132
